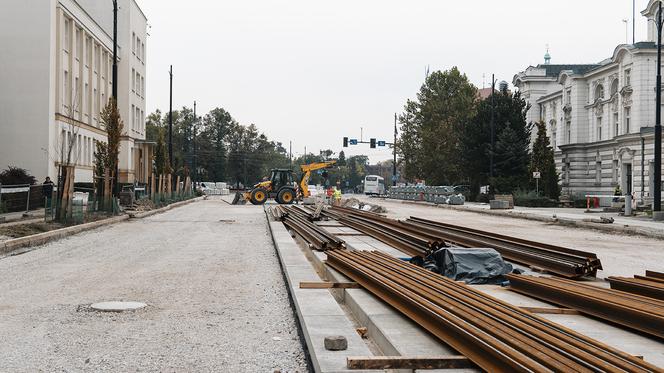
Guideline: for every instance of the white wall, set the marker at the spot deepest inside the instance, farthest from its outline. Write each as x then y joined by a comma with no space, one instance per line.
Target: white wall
26,94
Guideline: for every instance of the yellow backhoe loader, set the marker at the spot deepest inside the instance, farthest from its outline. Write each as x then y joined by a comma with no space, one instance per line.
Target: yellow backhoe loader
281,185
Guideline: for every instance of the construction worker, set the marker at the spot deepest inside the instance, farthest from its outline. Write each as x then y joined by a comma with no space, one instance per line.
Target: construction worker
337,196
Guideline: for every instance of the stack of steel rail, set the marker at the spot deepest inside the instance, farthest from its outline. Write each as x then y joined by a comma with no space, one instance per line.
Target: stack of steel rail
559,260
651,285
428,235
634,311
495,335
403,238
298,219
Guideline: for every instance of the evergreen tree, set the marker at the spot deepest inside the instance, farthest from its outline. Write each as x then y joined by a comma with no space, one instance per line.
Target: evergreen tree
542,160
476,135
511,159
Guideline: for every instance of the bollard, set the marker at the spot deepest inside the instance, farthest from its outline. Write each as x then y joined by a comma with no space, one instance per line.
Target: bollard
628,205
27,205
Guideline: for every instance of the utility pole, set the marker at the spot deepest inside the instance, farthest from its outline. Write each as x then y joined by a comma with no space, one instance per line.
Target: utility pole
633,21
493,91
114,90
657,195
290,154
195,174
170,120
394,153
193,125
115,51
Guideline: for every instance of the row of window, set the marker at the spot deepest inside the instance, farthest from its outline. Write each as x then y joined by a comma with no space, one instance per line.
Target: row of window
82,149
599,90
137,119
84,90
138,47
137,83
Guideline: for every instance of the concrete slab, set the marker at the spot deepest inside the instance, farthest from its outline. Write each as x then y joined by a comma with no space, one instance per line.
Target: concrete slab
318,312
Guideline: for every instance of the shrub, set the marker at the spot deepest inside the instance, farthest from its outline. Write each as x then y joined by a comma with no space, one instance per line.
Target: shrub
531,199
16,175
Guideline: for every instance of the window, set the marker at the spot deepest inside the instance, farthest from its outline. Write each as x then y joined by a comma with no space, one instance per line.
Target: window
616,124
599,129
142,121
142,87
133,80
133,118
568,97
137,83
543,112
66,36
553,140
614,87
627,119
628,77
88,51
599,92
568,126
79,44
143,52
138,46
598,172
614,177
66,90
554,110
133,42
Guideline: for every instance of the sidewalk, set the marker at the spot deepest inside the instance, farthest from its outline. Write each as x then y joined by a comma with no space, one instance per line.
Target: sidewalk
640,225
15,216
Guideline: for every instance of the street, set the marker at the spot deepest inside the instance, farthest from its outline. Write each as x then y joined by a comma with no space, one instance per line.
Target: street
207,271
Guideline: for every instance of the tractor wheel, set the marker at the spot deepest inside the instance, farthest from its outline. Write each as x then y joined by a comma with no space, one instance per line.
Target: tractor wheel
258,196
286,196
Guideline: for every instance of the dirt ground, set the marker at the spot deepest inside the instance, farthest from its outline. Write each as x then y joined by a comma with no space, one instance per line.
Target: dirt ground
621,255
216,296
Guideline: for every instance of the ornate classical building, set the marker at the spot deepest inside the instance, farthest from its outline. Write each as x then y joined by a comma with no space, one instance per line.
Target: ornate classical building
600,117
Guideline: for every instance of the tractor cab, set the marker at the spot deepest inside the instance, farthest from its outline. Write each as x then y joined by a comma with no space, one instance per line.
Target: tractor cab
280,178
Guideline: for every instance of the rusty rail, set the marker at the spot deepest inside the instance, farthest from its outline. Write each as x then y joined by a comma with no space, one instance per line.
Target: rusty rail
633,311
296,219
651,285
495,335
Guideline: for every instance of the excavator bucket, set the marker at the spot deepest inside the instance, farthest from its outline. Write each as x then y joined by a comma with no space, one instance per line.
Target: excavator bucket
239,199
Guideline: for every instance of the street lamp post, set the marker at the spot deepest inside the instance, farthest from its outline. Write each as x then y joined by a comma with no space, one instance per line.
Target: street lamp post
657,193
115,50
394,153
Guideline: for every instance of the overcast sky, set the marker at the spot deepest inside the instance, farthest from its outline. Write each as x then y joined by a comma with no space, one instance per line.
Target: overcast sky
312,72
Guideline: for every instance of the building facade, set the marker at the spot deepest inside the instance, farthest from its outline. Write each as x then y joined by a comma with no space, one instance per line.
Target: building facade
600,117
56,78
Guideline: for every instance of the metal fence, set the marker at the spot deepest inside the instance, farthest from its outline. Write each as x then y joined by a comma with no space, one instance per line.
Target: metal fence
21,198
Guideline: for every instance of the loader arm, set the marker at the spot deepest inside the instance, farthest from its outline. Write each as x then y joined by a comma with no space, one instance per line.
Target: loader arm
306,174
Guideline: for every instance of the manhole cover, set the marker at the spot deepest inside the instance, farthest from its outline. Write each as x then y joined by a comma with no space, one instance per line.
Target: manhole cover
117,306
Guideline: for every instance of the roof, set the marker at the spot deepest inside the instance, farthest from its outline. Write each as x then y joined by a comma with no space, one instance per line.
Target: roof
484,93
555,70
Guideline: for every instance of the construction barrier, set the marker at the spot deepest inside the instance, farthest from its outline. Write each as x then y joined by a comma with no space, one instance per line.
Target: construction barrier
433,194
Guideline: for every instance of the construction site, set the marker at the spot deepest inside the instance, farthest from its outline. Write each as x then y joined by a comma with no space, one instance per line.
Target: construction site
363,284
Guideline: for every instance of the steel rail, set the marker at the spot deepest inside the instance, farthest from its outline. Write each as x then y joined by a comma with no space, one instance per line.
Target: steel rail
648,285
555,259
493,334
630,310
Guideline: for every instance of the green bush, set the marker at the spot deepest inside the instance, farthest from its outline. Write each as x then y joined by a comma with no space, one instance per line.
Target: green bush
531,199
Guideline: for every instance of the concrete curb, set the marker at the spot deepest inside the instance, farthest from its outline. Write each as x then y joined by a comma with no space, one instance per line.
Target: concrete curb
140,215
610,228
318,313
24,244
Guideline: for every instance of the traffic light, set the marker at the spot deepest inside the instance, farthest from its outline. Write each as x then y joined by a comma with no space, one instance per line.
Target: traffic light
345,142
372,143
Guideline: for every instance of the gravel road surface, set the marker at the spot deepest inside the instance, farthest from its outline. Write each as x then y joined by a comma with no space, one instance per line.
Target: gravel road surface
208,271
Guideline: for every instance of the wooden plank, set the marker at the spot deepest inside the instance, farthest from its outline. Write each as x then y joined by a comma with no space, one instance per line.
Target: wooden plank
328,285
551,310
408,362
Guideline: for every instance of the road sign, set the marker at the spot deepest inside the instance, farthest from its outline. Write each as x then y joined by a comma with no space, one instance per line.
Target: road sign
537,175
381,143
352,141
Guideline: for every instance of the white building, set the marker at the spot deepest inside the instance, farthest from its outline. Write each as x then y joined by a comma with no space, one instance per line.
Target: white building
600,117
56,77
